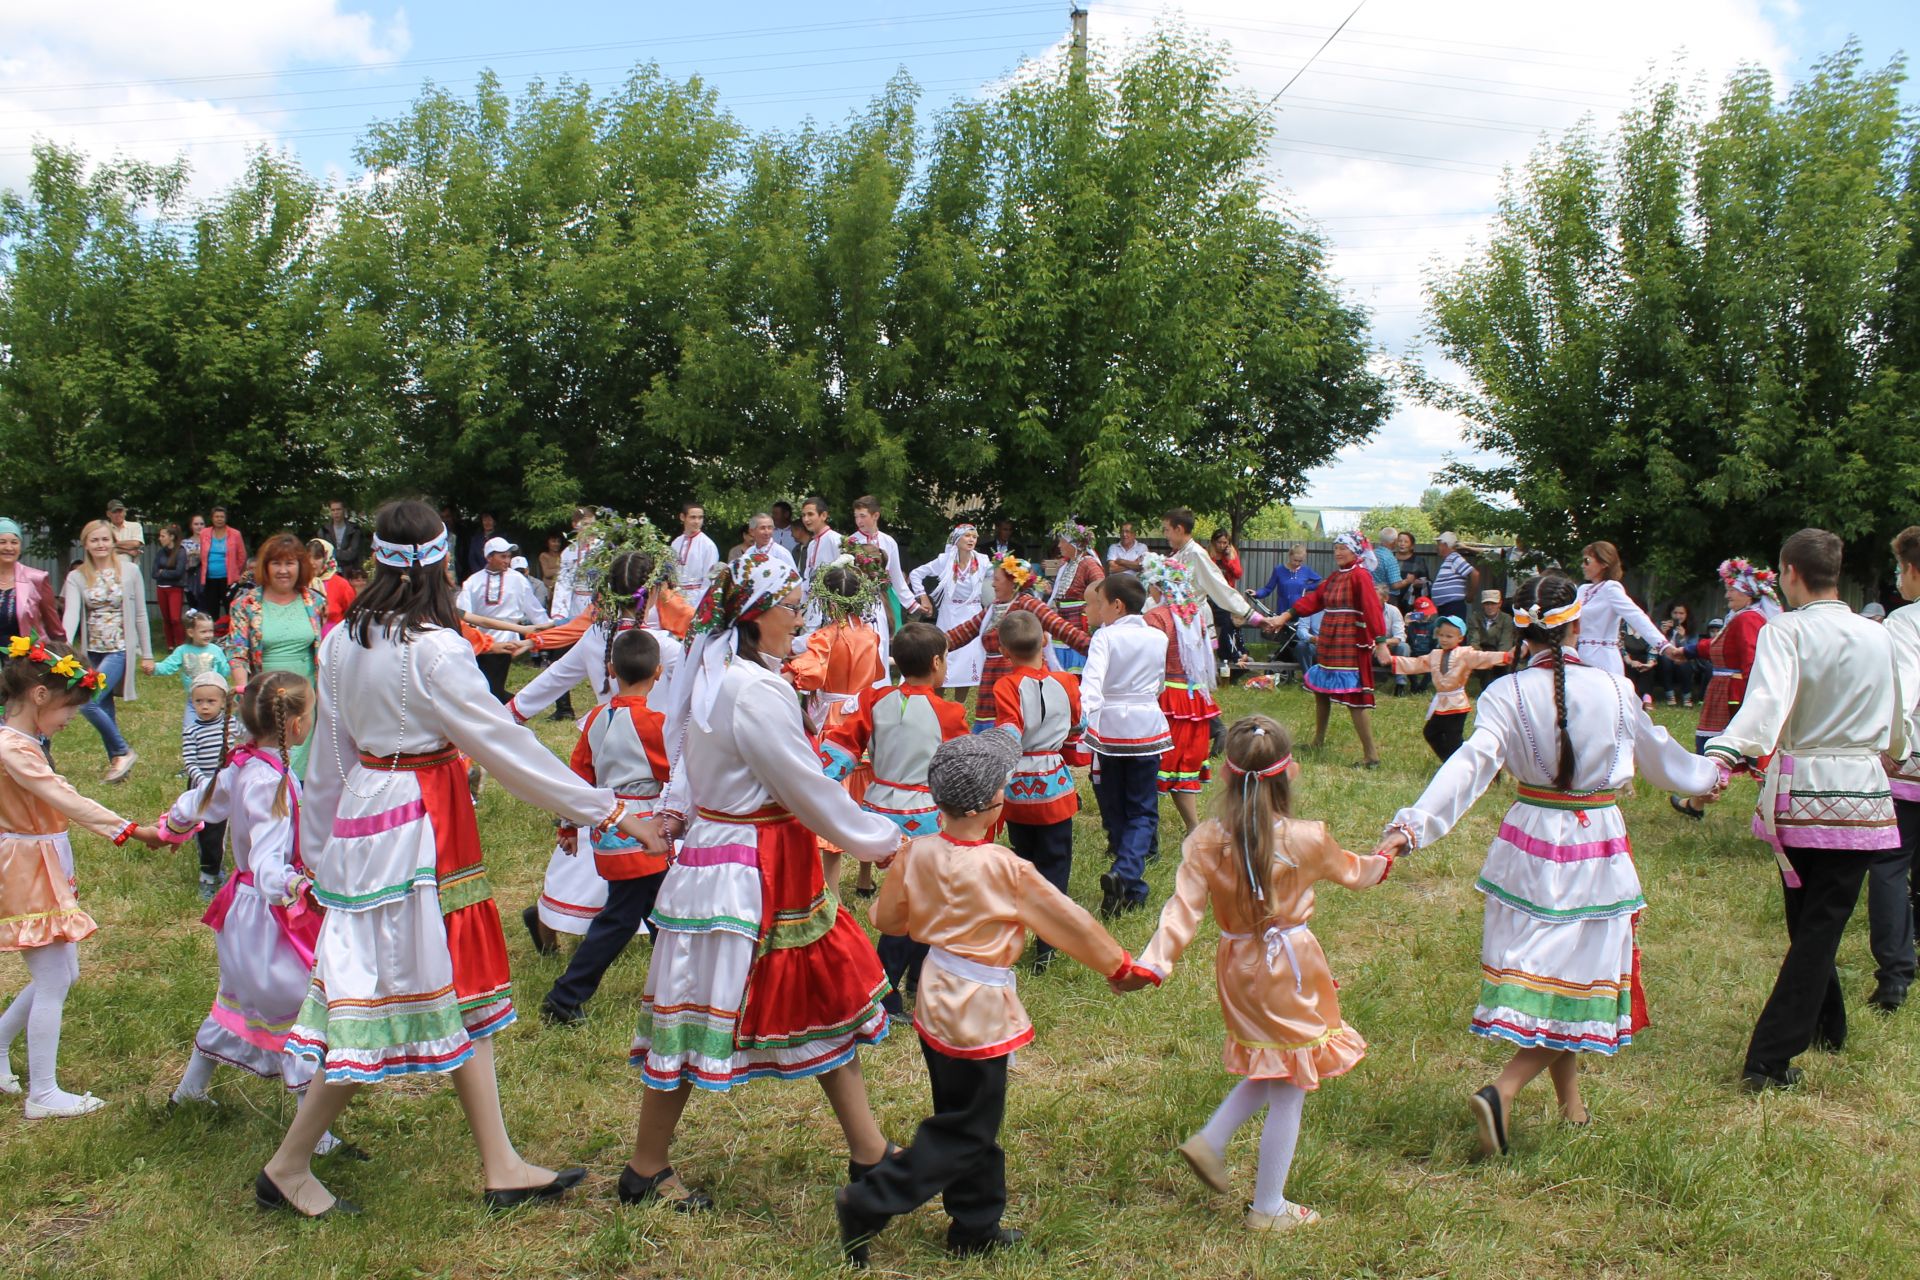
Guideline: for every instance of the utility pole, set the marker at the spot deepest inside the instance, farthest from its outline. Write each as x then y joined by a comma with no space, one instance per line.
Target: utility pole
1079,42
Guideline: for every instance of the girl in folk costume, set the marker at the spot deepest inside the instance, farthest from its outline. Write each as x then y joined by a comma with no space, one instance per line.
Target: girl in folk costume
1079,569
756,970
841,662
1560,971
966,580
1752,599
1012,592
410,967
1351,624
43,687
1257,865
644,596
1605,607
265,918
573,891
1187,697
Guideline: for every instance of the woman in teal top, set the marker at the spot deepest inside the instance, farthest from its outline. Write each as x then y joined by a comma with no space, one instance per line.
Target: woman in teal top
276,625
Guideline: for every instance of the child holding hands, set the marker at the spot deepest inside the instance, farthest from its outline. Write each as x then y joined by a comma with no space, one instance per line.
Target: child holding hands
1256,865
43,687
1449,662
972,901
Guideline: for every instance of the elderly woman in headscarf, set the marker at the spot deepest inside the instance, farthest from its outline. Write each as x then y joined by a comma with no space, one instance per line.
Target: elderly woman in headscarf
1351,622
965,582
328,579
1751,600
756,969
1079,569
28,602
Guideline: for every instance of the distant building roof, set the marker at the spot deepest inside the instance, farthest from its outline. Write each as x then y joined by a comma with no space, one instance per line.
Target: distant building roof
1330,521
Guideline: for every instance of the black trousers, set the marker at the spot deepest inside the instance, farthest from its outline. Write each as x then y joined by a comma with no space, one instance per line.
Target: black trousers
212,840
1891,902
901,957
629,904
1443,733
1049,848
494,666
1806,1003
955,1154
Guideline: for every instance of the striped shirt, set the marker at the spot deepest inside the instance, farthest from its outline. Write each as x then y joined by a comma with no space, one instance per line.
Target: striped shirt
200,747
1453,579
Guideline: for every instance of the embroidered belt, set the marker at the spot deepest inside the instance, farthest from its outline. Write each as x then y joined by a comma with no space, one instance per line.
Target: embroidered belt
411,763
902,786
987,975
765,815
1547,798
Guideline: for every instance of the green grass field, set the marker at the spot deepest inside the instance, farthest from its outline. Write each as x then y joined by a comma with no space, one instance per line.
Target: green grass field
1680,1174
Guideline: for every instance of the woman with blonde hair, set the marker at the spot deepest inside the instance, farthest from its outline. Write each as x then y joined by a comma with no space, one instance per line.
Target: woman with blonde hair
106,617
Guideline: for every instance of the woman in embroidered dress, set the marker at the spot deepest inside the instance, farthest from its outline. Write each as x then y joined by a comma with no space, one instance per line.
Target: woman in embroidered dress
1186,697
1079,569
410,967
966,579
1605,607
1560,973
1752,599
756,970
1351,624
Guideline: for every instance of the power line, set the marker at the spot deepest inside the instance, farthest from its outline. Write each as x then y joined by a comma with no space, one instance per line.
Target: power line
948,15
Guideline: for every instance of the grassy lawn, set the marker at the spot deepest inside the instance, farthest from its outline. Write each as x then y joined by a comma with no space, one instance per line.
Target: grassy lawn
1679,1175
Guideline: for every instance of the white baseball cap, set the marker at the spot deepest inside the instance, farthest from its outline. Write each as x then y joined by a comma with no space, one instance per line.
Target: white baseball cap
1448,539
500,547
519,562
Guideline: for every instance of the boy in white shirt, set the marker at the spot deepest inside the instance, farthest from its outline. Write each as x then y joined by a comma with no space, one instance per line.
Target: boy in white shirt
501,591
1126,731
694,552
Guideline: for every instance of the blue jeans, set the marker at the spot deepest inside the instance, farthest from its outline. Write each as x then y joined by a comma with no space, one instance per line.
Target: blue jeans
99,712
1128,789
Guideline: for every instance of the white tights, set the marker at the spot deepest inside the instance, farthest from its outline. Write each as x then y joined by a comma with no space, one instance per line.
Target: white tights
1278,1137
193,1088
51,971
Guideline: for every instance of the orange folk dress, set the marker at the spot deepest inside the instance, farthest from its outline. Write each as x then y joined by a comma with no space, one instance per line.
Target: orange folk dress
39,904
841,662
1276,992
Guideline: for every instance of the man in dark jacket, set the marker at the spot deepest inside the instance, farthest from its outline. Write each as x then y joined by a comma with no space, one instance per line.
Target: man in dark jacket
1490,630
349,539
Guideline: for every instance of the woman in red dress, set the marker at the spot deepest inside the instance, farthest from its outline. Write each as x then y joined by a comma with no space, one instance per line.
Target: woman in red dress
1351,620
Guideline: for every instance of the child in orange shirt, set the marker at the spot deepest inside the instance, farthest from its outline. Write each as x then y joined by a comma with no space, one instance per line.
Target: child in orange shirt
1449,663
1041,709
841,661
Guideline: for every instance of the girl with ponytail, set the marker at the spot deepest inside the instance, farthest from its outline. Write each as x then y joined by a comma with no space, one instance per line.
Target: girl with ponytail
264,917
1257,865
1560,971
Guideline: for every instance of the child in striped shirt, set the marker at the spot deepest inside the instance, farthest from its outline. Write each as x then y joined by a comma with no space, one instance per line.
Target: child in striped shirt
204,739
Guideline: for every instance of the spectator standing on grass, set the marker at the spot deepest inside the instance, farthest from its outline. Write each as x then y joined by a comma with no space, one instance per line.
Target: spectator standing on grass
348,539
106,614
1456,581
550,564
190,545
1678,674
1289,580
277,624
170,583
1227,557
1413,572
223,559
26,594
1129,554
129,539
475,553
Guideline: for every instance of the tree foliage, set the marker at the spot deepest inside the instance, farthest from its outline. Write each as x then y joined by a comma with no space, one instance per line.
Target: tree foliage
1700,337
1077,295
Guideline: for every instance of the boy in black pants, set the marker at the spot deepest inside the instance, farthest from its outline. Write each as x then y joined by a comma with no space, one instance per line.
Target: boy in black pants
623,747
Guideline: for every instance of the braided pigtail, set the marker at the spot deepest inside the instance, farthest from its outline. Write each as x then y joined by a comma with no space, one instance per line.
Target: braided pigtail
1536,598
286,762
1563,776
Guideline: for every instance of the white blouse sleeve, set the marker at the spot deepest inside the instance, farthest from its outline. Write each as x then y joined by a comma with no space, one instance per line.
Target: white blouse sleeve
1206,576
269,838
1666,764
479,725
935,568
186,810
333,749
1465,777
894,573
1755,729
1635,617
772,740
569,669
1093,677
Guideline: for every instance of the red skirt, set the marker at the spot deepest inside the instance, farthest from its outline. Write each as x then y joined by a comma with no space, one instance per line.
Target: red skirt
816,979
482,980
1190,714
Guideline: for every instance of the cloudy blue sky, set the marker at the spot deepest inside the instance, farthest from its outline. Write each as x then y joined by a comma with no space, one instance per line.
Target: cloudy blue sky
1392,143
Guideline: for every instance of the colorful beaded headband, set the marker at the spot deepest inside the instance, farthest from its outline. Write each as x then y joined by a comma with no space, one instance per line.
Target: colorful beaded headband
405,555
65,666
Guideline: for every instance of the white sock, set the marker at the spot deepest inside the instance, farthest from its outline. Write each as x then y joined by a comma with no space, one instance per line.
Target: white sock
193,1085
1277,1142
1235,1110
54,969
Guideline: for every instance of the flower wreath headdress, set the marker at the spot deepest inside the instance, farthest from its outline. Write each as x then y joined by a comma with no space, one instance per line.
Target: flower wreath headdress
69,668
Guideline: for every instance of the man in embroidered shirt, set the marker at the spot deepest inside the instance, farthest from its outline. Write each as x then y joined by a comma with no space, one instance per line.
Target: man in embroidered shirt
1824,703
501,591
1126,731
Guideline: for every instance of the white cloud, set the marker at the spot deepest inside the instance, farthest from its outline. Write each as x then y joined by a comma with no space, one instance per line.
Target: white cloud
1394,140
154,81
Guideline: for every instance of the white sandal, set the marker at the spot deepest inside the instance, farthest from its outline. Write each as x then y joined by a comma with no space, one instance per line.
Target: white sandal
1294,1215
86,1105
9,1082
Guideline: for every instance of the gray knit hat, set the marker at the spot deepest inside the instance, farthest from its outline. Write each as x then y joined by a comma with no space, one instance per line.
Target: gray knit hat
966,773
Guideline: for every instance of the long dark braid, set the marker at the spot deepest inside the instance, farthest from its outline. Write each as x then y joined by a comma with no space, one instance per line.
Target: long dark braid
279,696
1539,596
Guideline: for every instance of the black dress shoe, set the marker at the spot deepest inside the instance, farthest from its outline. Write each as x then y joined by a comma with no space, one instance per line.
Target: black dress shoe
969,1246
662,1188
268,1196
531,918
1754,1080
1111,894
1686,810
1887,997
558,1016
513,1197
856,1230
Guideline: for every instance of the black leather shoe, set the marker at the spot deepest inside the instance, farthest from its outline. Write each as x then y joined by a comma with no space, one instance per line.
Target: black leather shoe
1491,1116
268,1196
662,1188
970,1246
1111,894
555,1015
1887,997
1754,1080
513,1197
531,918
856,1230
